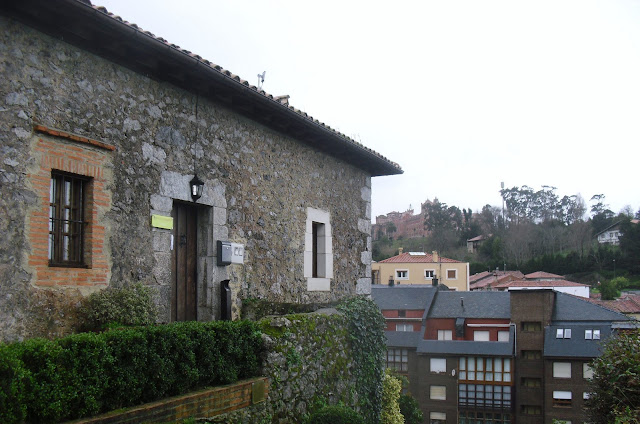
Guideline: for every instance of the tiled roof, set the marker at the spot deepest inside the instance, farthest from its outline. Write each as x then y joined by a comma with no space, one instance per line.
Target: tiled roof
492,279
542,274
403,297
406,257
86,24
466,347
471,304
540,283
575,308
626,304
576,346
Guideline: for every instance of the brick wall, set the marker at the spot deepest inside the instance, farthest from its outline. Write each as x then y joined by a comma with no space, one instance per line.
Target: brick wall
60,151
201,404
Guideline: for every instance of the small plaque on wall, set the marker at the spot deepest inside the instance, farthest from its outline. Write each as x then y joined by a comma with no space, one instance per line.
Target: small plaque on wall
161,221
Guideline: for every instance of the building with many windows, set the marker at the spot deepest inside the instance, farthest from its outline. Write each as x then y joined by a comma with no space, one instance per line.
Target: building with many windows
495,357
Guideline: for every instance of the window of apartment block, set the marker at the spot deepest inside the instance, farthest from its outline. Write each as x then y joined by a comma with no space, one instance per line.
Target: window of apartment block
429,274
404,327
531,354
438,393
452,274
587,371
561,398
484,395
503,336
402,274
481,336
437,418
531,326
445,335
482,417
397,359
318,250
586,395
563,333
531,410
562,370
531,382
438,365
592,334
472,368
402,313
67,219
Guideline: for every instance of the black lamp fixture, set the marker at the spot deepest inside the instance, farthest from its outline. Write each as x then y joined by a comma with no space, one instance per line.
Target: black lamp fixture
196,185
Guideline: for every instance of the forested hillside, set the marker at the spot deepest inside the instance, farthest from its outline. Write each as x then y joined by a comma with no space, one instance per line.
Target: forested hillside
534,230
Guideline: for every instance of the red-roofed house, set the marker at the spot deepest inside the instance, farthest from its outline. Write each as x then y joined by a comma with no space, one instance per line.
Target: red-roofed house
628,304
422,268
488,280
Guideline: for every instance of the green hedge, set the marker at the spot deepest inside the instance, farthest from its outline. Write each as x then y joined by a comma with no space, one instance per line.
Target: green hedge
85,374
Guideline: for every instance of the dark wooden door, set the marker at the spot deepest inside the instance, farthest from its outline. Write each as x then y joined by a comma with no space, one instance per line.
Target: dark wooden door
184,304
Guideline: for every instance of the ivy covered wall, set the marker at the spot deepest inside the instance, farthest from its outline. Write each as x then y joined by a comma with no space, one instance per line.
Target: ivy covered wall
327,357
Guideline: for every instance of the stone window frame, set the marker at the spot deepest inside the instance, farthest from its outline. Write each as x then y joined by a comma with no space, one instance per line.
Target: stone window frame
318,250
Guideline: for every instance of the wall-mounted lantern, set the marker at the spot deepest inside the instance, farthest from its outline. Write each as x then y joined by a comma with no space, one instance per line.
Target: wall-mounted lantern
196,185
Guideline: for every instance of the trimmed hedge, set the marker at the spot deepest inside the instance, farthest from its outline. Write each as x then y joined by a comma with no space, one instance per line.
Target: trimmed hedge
85,374
336,414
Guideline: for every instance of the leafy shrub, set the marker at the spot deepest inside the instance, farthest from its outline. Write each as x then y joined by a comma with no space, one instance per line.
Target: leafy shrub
391,388
129,305
85,374
410,410
336,415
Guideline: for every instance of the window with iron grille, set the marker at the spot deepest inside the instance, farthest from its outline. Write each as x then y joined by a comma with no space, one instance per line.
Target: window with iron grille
67,219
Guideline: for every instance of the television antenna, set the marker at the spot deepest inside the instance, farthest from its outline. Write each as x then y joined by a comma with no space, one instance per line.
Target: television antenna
261,79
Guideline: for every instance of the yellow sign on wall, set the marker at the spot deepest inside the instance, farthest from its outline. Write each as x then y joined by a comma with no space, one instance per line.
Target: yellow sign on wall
161,221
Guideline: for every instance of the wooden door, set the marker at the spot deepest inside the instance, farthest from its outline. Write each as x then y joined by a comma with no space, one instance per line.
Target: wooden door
184,299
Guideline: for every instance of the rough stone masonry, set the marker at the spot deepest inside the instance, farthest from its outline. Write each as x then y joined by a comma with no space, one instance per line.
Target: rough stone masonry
141,140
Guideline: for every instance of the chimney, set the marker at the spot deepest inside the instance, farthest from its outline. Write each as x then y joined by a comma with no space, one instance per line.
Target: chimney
400,249
283,99
435,256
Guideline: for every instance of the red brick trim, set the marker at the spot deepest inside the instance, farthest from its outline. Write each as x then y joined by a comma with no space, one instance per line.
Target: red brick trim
205,403
73,137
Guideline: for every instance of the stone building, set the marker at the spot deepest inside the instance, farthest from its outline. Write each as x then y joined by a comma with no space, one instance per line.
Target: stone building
104,128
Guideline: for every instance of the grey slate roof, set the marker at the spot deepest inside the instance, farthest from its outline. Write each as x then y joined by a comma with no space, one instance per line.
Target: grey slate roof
576,346
570,308
403,297
477,304
467,347
403,338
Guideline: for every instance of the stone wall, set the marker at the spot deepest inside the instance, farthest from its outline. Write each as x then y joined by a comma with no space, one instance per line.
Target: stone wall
259,185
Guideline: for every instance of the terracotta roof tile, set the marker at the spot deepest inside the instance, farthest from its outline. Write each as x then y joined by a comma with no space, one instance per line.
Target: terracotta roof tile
542,274
543,283
406,257
104,10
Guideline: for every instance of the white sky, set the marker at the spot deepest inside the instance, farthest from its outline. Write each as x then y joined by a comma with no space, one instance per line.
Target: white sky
462,94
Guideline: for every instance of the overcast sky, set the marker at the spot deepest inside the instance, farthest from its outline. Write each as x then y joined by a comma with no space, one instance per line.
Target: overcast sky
462,94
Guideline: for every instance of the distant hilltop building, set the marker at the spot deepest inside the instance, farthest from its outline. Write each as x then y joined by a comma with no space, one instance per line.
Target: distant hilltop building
401,224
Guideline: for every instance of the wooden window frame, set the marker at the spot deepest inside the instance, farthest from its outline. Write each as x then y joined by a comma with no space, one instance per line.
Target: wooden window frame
68,209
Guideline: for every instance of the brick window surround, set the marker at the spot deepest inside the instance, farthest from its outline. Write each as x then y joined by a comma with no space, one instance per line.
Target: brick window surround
58,151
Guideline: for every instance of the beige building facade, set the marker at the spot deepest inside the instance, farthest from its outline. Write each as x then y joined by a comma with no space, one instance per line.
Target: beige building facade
421,268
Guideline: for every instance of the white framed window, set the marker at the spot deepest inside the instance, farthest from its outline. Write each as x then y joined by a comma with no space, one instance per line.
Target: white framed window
437,417
480,336
404,327
429,274
561,398
402,274
562,370
438,365
503,336
563,333
587,371
445,335
452,274
438,393
592,334
318,250
586,395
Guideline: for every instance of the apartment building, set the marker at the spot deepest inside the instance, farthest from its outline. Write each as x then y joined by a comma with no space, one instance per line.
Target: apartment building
495,357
